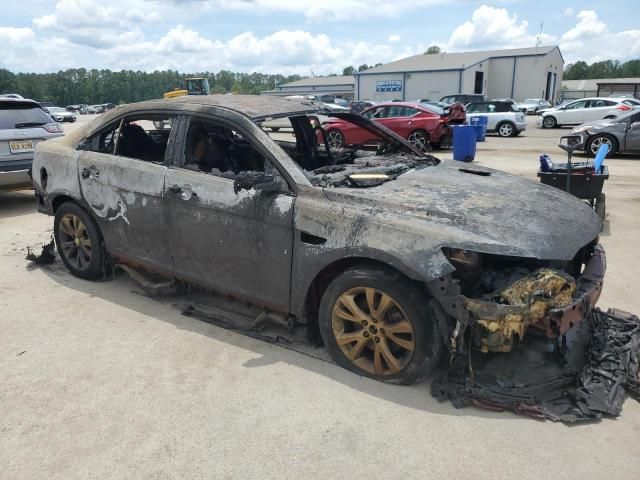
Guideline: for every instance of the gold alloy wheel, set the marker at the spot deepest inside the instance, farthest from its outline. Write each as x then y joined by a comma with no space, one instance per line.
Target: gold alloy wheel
74,241
372,331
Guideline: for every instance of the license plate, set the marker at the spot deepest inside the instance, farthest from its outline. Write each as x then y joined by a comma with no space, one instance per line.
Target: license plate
20,146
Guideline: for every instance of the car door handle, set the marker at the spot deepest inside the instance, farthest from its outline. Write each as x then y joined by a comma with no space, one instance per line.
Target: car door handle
90,173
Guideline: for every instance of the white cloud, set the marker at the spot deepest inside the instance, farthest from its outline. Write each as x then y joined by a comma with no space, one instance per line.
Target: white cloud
588,26
322,10
16,36
490,28
568,12
135,34
591,40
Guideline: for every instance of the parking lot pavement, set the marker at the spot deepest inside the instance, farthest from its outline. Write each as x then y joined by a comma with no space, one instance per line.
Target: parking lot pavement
97,381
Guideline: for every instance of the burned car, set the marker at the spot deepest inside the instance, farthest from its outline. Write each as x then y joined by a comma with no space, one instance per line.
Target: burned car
389,254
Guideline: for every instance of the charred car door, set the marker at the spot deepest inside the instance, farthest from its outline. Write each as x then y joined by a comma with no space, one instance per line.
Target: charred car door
121,173
230,237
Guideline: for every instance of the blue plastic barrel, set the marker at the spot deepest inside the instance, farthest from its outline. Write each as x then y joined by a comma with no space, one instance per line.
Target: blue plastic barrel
464,142
480,122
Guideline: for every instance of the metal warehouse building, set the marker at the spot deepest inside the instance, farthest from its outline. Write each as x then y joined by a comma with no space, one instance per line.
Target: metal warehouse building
600,87
516,73
336,86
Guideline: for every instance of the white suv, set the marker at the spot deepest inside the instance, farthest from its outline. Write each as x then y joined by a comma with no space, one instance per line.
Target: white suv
586,110
23,124
502,118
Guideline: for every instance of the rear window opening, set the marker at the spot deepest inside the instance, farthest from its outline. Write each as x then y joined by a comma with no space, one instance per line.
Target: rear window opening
22,115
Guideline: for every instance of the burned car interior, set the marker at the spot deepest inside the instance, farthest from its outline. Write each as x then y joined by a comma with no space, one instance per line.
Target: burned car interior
133,137
382,254
351,166
219,150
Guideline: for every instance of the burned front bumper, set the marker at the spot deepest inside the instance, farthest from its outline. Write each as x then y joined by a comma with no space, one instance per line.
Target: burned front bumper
548,300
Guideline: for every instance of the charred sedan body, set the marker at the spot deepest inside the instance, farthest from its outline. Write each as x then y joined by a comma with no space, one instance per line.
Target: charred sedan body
389,253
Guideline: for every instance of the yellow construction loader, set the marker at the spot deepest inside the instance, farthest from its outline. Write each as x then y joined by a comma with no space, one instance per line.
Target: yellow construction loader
195,86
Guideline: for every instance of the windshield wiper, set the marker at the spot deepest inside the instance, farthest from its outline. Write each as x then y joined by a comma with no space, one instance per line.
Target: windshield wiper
29,124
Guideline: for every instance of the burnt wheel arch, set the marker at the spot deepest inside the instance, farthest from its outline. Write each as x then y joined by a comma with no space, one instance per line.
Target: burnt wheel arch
324,277
60,199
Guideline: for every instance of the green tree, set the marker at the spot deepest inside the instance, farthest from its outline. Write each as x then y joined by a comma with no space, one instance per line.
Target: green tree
433,49
8,83
348,71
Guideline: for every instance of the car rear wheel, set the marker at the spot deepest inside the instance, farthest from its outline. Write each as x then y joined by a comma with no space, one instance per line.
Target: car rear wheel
79,241
597,141
506,129
377,323
549,122
420,140
335,138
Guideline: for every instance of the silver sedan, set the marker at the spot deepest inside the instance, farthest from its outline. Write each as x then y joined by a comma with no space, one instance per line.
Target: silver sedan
621,134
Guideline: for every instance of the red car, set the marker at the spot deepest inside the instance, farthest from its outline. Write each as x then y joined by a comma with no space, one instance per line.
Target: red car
421,126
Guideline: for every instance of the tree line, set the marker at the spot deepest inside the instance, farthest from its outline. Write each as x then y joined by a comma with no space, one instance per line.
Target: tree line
79,85
604,69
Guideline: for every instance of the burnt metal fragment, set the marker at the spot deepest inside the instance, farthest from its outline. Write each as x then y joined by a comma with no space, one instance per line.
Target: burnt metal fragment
47,255
590,381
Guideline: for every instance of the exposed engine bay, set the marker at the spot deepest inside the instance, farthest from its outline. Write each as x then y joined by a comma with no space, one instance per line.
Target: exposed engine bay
506,297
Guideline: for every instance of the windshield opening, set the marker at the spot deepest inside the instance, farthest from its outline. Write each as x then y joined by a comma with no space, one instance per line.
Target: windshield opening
349,149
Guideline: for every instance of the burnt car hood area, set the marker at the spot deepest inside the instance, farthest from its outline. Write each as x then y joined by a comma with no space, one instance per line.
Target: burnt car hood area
384,255
485,210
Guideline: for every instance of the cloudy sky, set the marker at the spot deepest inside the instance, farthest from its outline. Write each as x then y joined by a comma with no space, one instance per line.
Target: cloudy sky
298,36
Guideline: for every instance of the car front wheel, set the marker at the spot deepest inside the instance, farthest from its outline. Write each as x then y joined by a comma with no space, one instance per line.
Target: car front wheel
375,322
79,241
595,142
549,122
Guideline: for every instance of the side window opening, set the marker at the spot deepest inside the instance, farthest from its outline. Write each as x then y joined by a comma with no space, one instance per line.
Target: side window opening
102,142
219,150
145,137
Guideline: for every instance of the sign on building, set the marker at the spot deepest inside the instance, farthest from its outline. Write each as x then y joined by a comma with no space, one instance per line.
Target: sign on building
388,86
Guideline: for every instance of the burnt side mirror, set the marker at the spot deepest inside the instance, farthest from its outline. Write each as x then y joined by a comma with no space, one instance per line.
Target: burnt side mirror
257,181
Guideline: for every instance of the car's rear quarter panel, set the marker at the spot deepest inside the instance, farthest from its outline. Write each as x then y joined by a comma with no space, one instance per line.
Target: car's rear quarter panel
58,164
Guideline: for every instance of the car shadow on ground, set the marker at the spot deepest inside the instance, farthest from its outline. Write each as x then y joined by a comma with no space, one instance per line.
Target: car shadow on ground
17,203
125,293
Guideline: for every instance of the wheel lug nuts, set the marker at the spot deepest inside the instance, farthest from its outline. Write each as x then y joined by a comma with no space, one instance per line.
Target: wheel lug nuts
382,330
366,334
365,323
377,339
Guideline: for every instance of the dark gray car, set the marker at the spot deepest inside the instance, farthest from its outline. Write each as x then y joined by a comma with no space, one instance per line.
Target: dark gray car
23,124
389,254
621,134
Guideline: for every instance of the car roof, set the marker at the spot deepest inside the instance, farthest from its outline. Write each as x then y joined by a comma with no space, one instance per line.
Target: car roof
399,104
19,100
254,106
615,99
490,101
